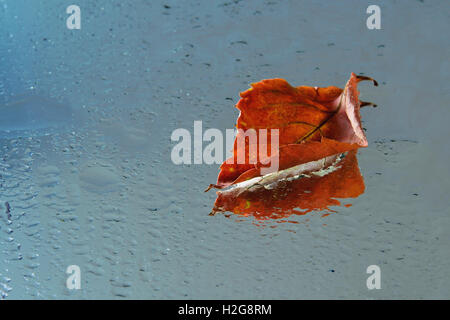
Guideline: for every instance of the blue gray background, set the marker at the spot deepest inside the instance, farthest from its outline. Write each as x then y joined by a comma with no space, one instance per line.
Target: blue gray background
85,123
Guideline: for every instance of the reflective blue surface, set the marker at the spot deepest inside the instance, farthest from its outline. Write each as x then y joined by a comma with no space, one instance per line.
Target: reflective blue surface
85,159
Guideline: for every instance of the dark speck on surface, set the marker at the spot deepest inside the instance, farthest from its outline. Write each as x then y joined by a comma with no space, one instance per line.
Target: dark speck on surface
8,210
239,42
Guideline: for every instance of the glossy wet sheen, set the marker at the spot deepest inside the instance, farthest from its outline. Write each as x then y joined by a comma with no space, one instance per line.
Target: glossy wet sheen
106,196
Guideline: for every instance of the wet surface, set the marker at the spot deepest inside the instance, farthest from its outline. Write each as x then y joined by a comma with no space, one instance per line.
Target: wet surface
104,194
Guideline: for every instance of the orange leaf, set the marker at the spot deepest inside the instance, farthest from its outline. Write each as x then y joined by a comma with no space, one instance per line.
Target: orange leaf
312,123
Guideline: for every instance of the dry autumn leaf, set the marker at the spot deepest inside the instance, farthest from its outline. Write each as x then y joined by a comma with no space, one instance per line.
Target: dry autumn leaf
313,124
